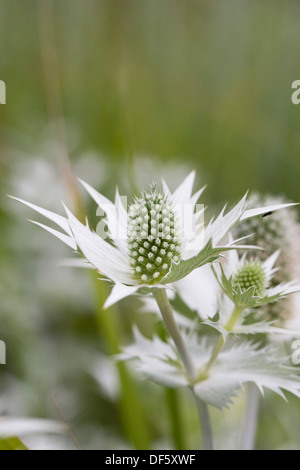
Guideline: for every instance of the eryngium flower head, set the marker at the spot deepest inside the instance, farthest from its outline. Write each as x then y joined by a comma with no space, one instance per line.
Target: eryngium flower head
278,231
154,238
251,275
248,283
160,241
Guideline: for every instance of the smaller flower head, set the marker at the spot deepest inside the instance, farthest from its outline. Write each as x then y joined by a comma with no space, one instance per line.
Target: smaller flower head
278,231
251,276
247,283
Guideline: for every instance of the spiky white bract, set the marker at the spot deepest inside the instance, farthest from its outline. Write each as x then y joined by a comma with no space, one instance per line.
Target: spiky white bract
236,365
135,260
200,291
246,328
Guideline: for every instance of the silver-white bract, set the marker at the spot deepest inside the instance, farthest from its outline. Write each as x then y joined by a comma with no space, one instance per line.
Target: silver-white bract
236,365
200,291
199,246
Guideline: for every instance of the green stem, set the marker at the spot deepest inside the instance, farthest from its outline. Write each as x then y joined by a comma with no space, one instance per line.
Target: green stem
234,318
220,344
205,423
168,317
216,351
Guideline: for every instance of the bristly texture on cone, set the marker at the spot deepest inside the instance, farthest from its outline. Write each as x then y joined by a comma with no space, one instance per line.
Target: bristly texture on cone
153,236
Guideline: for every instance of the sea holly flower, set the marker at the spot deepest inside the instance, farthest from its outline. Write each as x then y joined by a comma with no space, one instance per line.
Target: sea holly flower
247,282
246,286
237,285
160,240
277,231
154,236
251,275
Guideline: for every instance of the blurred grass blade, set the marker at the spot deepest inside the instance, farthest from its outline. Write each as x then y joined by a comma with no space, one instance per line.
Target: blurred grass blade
12,443
132,415
176,421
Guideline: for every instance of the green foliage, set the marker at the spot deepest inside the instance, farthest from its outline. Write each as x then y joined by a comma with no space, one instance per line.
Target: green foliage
13,443
207,255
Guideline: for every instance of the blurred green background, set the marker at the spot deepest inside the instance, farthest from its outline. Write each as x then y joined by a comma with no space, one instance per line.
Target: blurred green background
117,92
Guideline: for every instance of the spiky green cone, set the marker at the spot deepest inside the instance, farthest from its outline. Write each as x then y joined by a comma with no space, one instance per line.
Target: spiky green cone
153,236
252,274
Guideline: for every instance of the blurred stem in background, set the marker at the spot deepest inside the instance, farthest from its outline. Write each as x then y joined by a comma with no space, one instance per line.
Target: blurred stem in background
121,79
176,418
130,407
127,132
53,95
252,416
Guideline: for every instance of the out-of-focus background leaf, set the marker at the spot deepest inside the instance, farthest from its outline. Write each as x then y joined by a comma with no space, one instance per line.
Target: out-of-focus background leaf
12,443
126,90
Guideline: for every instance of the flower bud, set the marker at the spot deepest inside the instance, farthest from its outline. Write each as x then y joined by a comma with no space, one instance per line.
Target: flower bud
153,240
252,274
